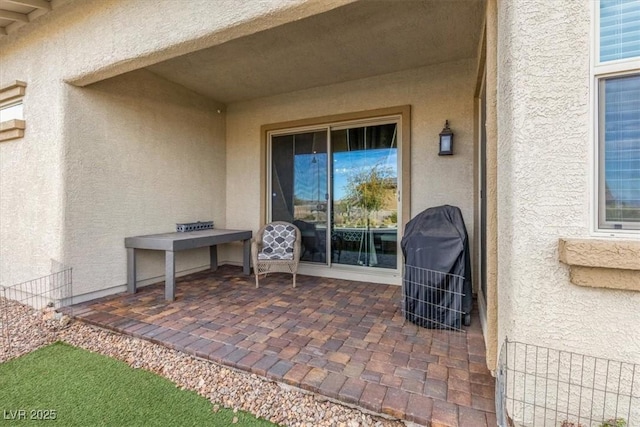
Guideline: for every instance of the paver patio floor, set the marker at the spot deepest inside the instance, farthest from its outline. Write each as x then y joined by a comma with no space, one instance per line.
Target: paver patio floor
342,339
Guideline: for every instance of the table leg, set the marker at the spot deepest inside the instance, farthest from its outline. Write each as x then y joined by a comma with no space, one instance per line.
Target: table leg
131,270
170,276
213,256
246,256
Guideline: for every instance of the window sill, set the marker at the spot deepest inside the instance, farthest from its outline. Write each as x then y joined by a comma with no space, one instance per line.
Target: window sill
613,264
11,129
13,90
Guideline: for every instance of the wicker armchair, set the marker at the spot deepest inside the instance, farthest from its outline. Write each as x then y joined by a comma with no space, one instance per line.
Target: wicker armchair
276,248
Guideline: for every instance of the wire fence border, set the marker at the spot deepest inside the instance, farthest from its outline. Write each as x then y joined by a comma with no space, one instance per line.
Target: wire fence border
542,386
42,296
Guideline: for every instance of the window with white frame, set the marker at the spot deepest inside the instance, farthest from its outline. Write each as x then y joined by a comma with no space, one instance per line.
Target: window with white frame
617,91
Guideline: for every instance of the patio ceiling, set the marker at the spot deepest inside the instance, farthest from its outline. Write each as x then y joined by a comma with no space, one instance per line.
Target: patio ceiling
359,40
17,13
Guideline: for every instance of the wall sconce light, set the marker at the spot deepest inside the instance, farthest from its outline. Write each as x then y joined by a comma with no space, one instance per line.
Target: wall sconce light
446,141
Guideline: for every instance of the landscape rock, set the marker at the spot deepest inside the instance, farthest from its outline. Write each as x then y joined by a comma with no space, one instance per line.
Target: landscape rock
223,386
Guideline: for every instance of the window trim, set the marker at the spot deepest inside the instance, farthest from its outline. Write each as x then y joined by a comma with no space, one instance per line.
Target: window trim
10,95
601,71
600,263
11,129
15,89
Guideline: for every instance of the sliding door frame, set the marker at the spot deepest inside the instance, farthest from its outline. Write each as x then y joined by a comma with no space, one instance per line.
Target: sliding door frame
399,114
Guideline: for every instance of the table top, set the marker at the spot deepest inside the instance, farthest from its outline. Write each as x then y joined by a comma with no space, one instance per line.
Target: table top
176,241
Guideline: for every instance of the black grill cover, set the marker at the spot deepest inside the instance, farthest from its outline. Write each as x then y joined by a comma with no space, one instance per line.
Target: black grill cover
436,239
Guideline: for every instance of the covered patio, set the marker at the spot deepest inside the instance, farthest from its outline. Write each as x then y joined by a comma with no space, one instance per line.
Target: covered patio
342,339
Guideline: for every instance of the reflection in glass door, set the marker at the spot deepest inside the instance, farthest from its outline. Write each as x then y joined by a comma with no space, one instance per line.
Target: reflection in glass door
299,188
339,186
364,226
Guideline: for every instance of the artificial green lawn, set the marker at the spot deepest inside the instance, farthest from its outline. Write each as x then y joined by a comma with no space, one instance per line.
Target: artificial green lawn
88,389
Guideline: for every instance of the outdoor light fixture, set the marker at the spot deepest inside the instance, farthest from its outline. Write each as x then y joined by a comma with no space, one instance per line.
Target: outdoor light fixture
446,141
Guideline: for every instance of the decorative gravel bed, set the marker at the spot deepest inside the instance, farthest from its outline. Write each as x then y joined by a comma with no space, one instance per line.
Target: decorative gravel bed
231,388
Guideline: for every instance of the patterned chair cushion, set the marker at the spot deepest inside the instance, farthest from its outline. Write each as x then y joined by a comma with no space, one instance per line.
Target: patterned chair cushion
277,242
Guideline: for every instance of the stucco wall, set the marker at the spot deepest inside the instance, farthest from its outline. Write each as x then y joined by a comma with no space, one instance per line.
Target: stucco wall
141,154
30,168
105,38
169,29
544,166
83,42
435,93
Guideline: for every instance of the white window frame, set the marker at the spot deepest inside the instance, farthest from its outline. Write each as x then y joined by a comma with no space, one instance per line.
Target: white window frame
600,72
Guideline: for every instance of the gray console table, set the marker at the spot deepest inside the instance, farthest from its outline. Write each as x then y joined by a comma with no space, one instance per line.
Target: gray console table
173,242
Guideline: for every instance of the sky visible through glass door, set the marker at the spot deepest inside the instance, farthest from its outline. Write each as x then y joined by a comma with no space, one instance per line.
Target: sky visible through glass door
346,165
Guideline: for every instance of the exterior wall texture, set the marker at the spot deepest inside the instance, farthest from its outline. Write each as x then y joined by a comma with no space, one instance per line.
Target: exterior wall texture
31,192
135,154
543,170
83,42
169,29
435,93
491,334
141,154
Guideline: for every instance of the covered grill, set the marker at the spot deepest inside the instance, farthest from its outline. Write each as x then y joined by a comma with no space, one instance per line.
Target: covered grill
437,289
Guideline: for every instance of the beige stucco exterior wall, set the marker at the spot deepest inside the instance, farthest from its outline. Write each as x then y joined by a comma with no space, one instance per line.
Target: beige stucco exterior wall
492,297
83,42
435,93
30,173
141,154
105,38
543,170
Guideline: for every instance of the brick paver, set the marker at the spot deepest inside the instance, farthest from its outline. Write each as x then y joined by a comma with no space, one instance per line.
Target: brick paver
332,385
352,390
346,340
444,414
395,402
419,409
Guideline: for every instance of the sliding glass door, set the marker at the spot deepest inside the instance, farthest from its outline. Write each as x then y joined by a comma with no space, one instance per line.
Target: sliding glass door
365,205
299,188
339,185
